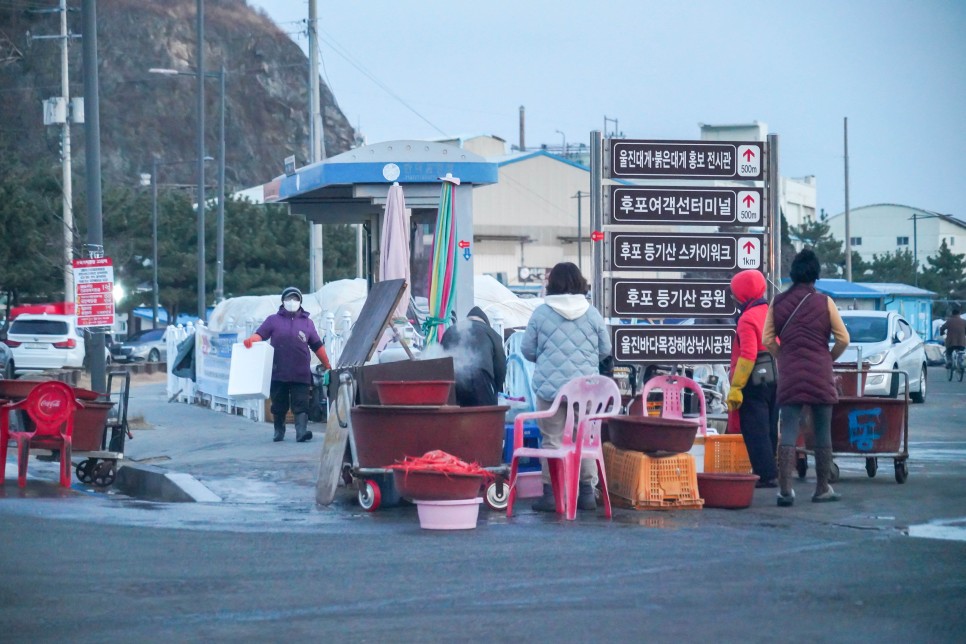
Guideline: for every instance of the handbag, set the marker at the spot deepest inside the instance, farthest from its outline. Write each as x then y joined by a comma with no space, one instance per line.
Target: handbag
764,372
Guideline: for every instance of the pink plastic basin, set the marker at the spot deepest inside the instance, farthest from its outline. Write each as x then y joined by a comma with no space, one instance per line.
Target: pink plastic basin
448,515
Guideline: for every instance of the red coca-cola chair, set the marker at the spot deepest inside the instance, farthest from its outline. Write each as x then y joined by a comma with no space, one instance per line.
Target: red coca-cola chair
50,407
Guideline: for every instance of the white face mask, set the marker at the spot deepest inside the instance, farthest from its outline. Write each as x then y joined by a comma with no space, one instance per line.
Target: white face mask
291,305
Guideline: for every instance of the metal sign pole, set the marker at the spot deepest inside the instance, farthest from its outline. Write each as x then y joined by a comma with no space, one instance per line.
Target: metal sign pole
775,216
596,218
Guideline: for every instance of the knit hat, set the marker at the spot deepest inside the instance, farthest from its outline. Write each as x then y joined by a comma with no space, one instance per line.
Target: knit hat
290,291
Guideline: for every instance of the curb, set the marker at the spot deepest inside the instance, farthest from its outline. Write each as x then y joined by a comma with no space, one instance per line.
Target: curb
158,484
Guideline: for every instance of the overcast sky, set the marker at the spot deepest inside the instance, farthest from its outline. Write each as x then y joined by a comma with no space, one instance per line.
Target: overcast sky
896,69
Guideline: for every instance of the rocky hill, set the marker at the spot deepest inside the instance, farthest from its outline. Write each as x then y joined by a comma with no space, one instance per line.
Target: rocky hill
147,115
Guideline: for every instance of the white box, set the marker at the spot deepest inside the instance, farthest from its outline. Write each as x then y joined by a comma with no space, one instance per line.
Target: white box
250,374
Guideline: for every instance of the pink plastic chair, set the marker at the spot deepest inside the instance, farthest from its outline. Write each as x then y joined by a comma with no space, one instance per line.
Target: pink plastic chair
50,406
589,399
673,388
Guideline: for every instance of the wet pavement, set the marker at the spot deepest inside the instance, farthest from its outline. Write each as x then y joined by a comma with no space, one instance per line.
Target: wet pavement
887,563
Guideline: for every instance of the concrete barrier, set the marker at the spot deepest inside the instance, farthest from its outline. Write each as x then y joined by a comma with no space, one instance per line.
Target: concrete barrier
158,484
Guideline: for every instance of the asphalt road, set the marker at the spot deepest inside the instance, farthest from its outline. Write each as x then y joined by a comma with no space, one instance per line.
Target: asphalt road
89,566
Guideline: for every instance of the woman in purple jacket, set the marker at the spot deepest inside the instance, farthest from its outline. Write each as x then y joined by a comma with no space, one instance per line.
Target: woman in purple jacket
293,336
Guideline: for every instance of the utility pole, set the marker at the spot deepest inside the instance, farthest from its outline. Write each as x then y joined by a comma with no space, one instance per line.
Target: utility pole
92,155
848,238
200,56
60,113
580,235
65,163
220,248
317,144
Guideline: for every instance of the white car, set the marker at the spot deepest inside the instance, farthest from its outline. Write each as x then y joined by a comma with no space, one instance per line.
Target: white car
887,343
42,341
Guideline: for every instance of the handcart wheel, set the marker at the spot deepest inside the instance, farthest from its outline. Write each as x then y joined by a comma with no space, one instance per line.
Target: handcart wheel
902,471
801,466
104,474
370,496
833,474
85,470
871,466
497,495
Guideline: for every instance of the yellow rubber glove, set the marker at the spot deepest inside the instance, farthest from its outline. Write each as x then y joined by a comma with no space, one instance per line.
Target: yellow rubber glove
739,379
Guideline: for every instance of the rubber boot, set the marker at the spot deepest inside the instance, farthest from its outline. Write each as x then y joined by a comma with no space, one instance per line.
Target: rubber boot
279,429
786,468
585,497
546,503
302,433
823,471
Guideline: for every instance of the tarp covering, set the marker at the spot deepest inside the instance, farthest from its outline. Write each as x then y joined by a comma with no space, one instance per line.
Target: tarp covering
338,297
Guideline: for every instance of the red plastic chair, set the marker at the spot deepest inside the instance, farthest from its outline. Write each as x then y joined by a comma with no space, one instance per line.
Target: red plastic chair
50,406
673,388
589,399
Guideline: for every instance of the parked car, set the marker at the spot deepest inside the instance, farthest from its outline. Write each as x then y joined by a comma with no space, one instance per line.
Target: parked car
6,362
147,345
888,342
42,341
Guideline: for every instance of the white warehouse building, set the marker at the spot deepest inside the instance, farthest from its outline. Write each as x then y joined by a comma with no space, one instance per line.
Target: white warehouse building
890,228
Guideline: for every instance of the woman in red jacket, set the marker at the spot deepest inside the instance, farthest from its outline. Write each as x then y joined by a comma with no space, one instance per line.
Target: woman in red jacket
755,403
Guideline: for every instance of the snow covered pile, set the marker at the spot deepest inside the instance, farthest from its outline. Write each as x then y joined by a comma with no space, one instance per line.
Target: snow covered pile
338,297
236,313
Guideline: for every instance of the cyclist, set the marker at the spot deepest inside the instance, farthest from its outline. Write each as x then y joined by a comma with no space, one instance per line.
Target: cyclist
954,328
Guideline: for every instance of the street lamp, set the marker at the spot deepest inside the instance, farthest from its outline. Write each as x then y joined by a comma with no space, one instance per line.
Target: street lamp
563,145
155,164
220,248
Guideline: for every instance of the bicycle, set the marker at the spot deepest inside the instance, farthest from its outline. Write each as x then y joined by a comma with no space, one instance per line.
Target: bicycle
957,364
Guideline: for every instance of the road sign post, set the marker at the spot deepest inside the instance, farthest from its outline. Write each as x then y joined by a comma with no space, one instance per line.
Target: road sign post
94,292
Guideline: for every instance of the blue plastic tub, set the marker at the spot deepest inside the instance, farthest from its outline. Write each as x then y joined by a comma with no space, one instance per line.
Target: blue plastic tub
531,438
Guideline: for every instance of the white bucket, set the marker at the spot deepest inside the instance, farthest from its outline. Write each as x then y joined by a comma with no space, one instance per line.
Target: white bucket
448,515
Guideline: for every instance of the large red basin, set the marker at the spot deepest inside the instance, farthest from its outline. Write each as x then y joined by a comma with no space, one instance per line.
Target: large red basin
863,425
18,389
385,434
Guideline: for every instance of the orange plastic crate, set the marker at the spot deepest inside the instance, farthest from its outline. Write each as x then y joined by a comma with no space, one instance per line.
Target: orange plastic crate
726,453
643,481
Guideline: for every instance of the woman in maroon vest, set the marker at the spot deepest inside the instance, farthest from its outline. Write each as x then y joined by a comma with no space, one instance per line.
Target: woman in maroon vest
797,330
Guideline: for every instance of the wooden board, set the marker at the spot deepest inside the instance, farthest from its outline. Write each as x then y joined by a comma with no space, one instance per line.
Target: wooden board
373,319
333,446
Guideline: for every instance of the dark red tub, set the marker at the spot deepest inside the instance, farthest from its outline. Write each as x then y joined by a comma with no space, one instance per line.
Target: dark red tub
385,434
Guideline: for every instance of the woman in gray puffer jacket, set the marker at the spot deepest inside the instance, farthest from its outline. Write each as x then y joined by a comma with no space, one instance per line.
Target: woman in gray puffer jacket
566,338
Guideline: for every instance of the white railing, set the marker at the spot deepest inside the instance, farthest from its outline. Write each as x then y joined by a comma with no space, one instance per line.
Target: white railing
210,390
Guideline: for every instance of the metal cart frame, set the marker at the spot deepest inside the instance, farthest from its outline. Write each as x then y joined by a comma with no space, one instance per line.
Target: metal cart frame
100,466
900,458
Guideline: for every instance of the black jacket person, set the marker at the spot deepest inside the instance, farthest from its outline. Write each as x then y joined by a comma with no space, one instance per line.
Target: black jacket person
478,358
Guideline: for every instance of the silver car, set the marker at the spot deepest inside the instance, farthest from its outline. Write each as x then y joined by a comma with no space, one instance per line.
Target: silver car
149,345
6,362
887,343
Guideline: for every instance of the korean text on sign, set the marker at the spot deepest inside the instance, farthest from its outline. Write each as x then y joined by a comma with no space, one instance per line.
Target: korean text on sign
673,251
650,344
640,298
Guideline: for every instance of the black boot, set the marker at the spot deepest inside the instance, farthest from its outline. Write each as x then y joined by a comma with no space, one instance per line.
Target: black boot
302,434
823,472
546,503
585,497
279,428
786,465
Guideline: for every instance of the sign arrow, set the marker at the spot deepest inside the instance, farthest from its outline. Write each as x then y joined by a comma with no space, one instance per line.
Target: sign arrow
749,200
749,246
466,252
748,154
463,244
596,236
